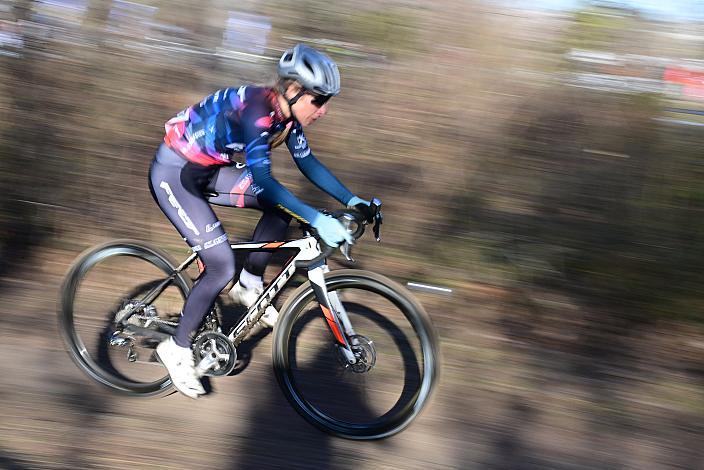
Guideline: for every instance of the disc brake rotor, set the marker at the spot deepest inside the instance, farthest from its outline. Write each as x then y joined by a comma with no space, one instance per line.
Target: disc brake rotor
364,352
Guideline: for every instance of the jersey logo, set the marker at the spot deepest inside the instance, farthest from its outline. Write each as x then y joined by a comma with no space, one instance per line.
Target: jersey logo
301,142
301,149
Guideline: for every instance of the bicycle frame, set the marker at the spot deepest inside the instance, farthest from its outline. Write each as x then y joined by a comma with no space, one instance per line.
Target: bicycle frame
309,256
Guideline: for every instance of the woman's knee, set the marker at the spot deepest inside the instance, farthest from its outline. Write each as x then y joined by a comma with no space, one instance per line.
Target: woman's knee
219,264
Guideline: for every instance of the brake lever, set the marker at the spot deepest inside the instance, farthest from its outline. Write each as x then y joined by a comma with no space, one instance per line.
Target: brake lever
346,250
378,218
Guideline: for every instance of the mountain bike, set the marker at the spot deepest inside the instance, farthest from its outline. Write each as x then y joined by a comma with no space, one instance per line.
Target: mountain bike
354,353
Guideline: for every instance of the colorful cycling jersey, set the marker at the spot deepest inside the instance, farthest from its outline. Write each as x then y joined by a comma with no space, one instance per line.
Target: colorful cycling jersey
249,120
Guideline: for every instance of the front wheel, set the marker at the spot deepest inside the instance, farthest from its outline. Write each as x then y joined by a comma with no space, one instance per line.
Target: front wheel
396,347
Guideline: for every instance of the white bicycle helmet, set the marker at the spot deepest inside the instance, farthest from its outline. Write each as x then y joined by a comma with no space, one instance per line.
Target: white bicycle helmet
315,71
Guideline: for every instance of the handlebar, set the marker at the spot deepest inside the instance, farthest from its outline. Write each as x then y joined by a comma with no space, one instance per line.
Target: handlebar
355,223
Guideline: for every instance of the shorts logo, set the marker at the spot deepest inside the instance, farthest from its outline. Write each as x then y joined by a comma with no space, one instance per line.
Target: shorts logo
244,182
216,241
210,243
176,205
210,227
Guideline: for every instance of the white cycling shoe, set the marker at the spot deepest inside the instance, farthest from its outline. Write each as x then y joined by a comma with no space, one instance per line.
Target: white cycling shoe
243,296
179,362
271,315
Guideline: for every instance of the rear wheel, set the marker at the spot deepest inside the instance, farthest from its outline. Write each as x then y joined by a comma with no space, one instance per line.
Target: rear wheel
396,349
101,283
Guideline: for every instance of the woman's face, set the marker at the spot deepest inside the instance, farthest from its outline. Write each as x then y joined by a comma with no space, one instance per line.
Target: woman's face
307,112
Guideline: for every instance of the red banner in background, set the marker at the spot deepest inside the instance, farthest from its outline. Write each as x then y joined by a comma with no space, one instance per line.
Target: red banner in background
692,82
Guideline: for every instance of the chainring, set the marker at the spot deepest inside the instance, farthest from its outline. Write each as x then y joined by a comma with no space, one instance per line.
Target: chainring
214,354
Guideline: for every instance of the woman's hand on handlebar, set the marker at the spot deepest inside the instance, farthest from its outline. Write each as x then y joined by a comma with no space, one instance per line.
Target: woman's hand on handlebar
364,207
330,230
370,211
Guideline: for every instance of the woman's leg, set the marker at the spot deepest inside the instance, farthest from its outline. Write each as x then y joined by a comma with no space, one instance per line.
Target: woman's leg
232,186
272,226
176,186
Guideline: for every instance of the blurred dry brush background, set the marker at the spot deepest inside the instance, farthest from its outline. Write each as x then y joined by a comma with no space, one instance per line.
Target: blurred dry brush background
539,164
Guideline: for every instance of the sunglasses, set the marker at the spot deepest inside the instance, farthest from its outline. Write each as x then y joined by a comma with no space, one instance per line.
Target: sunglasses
320,100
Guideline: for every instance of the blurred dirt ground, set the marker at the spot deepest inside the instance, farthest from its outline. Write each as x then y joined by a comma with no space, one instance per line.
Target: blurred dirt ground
517,390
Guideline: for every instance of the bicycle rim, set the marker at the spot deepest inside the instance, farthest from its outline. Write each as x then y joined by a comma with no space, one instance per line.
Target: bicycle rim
395,337
97,286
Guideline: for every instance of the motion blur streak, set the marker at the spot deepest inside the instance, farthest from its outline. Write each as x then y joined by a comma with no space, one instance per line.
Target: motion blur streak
544,164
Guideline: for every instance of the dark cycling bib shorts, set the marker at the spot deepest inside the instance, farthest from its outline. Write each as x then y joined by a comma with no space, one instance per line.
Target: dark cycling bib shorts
178,186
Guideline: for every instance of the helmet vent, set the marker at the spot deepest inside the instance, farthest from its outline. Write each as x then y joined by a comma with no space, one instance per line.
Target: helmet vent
308,65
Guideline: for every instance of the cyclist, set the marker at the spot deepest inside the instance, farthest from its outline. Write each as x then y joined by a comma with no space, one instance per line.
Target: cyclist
197,165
